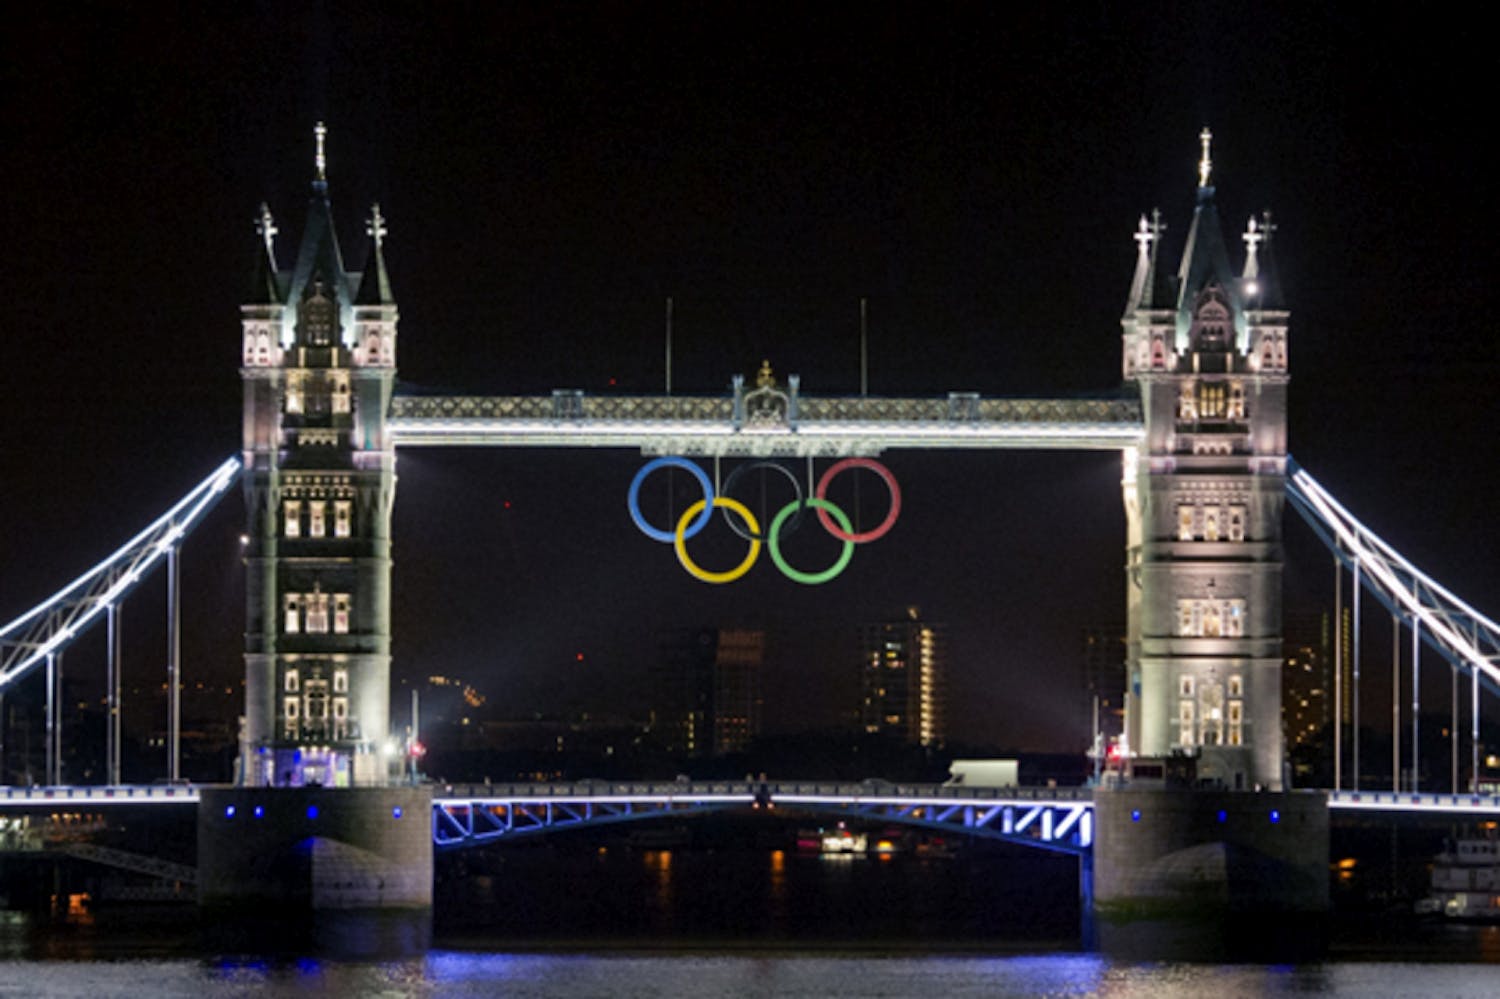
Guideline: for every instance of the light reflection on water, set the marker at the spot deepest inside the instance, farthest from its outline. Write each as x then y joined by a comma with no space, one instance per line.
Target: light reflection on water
448,973
656,923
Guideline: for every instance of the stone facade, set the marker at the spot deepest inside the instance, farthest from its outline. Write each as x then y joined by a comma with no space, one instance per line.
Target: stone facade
1207,348
318,366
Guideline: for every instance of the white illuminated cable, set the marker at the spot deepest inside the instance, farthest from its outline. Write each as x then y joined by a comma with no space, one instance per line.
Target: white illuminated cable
1354,536
176,520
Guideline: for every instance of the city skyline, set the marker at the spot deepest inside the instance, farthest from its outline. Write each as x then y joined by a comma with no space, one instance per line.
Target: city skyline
569,191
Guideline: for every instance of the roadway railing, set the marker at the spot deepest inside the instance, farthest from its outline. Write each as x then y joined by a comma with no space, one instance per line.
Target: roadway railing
117,794
1408,801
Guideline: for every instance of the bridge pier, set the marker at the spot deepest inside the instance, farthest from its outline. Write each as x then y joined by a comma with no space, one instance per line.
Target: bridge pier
315,848
1167,853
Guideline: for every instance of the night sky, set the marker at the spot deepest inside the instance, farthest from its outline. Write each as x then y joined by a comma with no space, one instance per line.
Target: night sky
552,173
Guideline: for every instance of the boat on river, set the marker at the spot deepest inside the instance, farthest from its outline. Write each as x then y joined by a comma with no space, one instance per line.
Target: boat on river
1465,881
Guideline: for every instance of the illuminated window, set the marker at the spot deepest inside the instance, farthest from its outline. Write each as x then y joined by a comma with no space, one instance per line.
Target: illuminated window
293,616
1185,686
1236,400
294,397
1187,617
315,525
291,681
1209,619
1236,723
290,707
1233,618
1185,721
341,681
341,392
1236,523
1210,523
317,613
341,613
342,512
291,515
1236,686
1187,404
1211,400
1184,523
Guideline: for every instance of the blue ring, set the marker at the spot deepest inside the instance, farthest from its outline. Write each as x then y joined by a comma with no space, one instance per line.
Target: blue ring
634,502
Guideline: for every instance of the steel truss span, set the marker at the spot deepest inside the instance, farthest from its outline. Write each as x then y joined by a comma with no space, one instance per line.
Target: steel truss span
1059,820
53,624
1464,637
731,426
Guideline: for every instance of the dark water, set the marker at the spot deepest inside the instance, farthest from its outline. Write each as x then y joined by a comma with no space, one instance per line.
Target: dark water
578,921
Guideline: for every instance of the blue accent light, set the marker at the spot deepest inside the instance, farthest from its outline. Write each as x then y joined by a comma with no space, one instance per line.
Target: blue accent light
1135,815
396,812
229,811
312,811
1223,816
260,811
1275,816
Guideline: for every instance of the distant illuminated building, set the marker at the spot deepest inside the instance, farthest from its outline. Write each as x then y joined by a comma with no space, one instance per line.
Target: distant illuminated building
1104,676
1306,700
708,690
902,684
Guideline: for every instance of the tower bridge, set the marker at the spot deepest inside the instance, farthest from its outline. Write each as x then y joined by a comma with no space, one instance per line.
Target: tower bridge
1199,422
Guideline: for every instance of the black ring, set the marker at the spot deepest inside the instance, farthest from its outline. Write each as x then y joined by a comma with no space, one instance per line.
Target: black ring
734,477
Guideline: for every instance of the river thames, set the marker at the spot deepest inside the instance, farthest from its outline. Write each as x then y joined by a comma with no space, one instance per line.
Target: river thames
576,920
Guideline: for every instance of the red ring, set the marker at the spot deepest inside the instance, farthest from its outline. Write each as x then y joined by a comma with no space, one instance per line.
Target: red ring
890,484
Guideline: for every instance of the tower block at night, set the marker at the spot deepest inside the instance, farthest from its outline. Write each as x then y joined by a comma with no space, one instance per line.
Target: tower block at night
318,366
1207,348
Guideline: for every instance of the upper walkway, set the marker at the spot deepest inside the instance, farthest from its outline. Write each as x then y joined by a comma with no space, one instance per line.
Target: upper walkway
749,424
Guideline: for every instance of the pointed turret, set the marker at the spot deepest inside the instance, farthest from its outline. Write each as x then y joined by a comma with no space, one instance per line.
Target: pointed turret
318,274
1149,288
375,284
1205,259
265,288
1259,284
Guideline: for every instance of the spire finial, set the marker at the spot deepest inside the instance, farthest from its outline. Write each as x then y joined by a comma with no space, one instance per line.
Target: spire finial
1144,235
265,227
1206,164
375,227
1253,235
320,131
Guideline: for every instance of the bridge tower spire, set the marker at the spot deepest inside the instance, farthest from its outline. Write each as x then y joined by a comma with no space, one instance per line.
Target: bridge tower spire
1203,498
318,366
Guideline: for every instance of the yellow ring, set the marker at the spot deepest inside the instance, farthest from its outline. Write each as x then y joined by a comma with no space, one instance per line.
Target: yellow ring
679,542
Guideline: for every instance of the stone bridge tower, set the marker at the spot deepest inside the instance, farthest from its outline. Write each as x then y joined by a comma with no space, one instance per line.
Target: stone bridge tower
318,364
1203,496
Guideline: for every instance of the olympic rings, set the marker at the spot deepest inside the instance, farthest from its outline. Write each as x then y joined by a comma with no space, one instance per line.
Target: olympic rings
885,525
834,520
679,540
810,578
734,477
634,502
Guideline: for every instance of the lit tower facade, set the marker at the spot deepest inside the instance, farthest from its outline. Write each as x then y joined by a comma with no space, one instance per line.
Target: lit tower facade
1203,497
318,365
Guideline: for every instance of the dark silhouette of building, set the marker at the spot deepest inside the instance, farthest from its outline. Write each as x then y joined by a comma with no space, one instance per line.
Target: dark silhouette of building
707,690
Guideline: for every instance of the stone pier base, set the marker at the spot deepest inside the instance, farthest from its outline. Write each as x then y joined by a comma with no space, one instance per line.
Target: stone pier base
1168,853
315,848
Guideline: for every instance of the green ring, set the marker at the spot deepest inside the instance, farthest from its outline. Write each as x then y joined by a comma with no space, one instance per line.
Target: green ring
773,535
